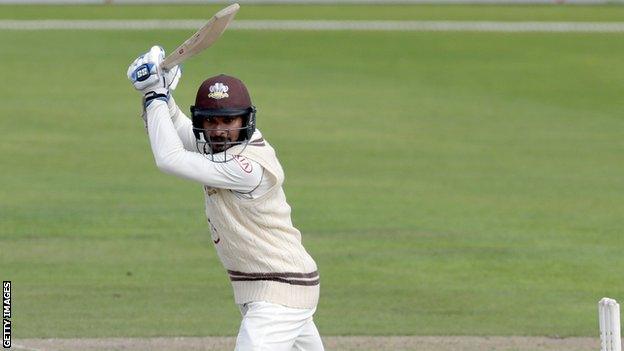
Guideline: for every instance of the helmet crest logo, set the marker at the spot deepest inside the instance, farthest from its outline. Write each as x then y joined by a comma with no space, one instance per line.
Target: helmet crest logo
218,91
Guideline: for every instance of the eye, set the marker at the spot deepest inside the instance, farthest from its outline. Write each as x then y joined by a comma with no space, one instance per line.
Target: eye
228,120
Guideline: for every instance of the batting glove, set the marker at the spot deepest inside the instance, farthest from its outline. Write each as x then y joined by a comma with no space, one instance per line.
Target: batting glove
148,78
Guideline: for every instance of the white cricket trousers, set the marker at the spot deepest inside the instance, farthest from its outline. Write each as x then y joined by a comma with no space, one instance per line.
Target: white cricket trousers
271,327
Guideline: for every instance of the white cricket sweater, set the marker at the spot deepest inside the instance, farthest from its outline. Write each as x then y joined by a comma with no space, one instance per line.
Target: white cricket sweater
254,237
257,242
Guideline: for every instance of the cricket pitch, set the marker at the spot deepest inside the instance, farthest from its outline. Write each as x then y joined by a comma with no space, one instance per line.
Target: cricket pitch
418,343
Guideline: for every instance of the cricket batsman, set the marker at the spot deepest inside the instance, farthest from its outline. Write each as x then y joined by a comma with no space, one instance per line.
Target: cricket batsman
275,280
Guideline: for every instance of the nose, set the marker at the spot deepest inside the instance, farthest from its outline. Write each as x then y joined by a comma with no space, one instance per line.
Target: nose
220,129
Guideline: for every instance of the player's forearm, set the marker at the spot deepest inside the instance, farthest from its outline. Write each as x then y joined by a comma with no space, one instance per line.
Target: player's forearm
183,125
166,146
176,114
172,158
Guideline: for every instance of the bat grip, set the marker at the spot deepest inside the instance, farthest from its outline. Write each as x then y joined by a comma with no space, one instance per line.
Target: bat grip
164,66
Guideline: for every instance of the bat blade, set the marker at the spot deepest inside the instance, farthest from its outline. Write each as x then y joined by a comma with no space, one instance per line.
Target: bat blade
203,38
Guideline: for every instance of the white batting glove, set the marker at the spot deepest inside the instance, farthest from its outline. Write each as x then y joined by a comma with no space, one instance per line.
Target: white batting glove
172,77
148,78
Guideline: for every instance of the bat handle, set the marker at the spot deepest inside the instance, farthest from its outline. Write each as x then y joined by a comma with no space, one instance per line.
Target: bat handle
164,66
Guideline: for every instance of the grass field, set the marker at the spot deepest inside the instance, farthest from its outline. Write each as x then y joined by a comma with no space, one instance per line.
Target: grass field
338,12
446,183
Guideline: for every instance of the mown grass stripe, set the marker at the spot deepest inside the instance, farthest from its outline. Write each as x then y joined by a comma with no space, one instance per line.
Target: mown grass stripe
319,25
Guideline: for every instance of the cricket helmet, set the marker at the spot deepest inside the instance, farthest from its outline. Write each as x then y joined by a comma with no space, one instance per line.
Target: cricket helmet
222,96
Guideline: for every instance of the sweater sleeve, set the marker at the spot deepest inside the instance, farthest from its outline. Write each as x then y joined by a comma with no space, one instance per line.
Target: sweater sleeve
239,174
183,125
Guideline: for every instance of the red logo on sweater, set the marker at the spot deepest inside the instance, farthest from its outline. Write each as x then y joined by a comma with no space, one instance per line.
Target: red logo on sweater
244,163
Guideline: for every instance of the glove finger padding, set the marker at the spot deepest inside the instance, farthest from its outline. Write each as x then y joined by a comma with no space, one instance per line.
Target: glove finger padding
172,77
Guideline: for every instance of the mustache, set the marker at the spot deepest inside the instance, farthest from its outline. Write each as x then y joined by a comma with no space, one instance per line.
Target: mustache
219,140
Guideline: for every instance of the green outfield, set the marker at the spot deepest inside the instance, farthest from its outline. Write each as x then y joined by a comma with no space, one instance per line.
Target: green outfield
329,12
446,183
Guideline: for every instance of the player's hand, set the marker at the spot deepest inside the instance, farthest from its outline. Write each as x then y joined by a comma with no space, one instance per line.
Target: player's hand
147,76
172,77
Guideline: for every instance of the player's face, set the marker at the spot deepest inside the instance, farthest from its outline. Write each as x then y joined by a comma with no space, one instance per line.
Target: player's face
222,129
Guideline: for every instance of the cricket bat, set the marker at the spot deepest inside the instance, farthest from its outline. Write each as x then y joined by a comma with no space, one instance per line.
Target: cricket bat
203,38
